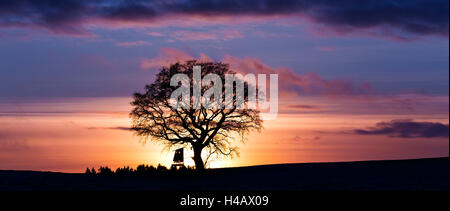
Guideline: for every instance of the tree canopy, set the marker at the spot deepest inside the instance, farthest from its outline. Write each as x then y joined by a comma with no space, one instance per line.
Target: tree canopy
213,129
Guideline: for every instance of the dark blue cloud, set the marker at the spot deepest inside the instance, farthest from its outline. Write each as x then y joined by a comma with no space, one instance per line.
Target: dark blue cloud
408,129
420,17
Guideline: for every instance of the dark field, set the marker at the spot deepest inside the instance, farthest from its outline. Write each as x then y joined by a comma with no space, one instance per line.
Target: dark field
417,174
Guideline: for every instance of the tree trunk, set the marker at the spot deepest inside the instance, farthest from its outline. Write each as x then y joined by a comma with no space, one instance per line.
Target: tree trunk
199,165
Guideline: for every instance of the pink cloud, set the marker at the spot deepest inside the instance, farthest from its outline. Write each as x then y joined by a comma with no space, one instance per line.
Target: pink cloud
155,34
209,35
133,43
291,83
193,20
265,34
165,57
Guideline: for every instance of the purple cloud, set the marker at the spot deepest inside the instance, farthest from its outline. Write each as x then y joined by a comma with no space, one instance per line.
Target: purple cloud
407,129
305,107
417,17
111,128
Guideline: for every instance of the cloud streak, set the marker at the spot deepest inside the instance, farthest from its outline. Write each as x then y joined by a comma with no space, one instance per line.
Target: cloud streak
394,17
407,129
304,107
133,43
184,35
111,128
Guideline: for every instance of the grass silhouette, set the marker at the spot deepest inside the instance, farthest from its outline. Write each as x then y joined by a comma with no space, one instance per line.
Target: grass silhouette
141,171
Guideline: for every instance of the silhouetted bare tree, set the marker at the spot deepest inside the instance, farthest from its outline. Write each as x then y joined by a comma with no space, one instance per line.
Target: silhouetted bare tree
213,128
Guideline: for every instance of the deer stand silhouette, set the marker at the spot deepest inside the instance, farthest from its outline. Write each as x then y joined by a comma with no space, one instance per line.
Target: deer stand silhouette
178,159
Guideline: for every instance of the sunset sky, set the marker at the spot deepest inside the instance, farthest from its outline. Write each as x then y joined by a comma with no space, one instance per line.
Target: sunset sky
358,80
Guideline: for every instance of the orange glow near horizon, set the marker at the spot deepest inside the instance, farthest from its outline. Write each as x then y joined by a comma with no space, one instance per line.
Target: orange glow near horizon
70,135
